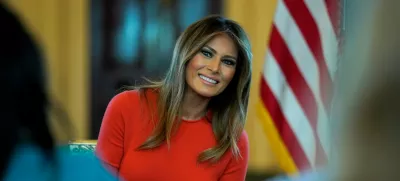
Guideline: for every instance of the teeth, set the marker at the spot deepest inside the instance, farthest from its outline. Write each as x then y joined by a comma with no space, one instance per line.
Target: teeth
208,79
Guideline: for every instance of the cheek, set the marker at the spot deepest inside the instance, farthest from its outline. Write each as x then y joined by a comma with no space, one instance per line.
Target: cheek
228,73
194,64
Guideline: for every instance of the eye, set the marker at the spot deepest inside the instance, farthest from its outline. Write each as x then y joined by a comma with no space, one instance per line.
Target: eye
229,62
206,53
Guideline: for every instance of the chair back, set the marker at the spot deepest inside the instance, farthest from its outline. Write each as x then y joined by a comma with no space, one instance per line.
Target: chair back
82,146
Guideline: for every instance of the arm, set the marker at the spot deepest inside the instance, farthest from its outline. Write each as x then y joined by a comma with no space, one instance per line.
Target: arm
110,144
237,167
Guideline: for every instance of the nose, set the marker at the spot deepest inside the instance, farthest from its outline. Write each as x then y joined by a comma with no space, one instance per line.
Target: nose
213,65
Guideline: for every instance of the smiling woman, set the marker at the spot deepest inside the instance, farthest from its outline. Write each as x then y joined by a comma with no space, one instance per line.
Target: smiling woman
190,125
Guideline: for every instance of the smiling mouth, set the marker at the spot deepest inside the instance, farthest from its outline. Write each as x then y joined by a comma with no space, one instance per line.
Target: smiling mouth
208,80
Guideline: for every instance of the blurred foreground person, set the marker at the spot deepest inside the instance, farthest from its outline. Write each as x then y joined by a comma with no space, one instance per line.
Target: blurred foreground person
28,151
368,100
189,126
371,149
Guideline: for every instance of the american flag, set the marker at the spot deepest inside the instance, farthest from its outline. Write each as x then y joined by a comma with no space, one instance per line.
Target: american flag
296,82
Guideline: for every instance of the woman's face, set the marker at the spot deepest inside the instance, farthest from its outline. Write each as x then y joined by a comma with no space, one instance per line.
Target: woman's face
211,70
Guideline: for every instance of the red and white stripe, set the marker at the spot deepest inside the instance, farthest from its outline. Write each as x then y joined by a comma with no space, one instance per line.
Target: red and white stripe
297,76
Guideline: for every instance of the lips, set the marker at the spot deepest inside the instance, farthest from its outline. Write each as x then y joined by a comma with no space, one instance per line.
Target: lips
208,79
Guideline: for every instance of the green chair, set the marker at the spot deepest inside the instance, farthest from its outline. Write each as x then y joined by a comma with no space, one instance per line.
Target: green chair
82,147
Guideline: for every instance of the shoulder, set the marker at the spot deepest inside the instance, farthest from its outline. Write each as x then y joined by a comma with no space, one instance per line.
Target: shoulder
84,167
23,160
133,97
124,98
26,159
124,102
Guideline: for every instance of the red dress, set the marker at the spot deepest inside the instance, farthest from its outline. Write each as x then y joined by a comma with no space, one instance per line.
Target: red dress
127,124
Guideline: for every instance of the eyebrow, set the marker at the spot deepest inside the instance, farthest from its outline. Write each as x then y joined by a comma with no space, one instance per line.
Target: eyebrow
214,51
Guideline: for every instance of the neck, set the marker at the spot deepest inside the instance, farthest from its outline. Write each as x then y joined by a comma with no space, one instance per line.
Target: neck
194,106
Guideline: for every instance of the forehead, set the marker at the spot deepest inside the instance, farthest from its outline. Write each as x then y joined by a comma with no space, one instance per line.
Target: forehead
223,44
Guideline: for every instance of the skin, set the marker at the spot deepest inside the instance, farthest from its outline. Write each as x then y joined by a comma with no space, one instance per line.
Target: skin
217,60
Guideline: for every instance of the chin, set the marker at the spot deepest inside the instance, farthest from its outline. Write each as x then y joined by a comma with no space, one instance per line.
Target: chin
206,93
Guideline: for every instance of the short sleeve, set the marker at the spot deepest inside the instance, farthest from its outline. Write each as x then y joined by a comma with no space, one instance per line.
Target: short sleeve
110,143
237,167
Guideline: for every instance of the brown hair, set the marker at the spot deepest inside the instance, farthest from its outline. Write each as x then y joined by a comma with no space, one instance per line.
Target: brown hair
229,109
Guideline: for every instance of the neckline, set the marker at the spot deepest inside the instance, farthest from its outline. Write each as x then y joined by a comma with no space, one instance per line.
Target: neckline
193,121
206,117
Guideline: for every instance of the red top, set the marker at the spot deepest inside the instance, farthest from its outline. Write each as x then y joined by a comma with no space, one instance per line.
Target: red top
126,125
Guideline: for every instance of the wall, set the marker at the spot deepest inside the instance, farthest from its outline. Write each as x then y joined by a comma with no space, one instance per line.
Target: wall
256,17
61,28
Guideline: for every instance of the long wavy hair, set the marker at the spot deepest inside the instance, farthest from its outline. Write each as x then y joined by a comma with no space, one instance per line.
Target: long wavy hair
229,109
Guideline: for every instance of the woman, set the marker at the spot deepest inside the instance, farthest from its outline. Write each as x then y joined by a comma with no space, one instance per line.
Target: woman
190,125
28,150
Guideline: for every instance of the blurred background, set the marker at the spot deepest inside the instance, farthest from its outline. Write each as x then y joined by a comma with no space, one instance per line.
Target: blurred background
94,47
